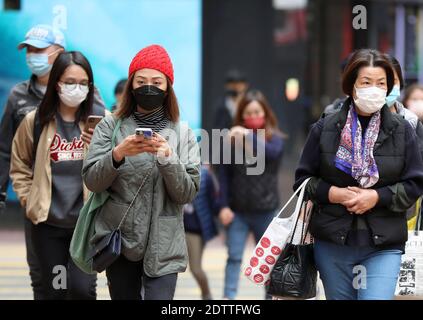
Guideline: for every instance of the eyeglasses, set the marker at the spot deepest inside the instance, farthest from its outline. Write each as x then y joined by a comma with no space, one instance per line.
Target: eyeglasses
84,86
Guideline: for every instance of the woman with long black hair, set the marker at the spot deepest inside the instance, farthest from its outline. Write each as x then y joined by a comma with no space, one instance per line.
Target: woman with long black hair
47,154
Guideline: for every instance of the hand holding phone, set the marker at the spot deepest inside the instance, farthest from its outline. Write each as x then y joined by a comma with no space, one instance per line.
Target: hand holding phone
91,122
146,132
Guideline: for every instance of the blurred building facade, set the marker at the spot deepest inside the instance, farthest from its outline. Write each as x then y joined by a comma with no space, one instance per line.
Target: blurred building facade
301,42
393,26
292,50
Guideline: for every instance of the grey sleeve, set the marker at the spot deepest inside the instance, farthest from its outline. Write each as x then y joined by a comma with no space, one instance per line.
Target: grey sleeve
98,171
181,173
98,101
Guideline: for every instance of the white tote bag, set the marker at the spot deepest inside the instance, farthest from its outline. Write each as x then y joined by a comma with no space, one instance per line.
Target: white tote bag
274,239
410,280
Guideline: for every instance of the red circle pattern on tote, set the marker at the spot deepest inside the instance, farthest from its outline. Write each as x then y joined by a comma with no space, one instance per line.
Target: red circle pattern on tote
265,242
270,260
264,269
258,278
254,262
276,250
248,271
259,252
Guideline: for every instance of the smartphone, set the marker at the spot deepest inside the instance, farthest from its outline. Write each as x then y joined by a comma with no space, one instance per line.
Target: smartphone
146,132
91,122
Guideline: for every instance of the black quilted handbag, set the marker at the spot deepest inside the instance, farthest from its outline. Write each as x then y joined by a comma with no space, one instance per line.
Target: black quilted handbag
294,274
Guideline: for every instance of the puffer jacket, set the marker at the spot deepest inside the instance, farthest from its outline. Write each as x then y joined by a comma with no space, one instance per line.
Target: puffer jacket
153,230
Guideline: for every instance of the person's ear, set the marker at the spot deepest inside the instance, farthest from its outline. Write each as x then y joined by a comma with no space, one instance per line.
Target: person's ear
354,95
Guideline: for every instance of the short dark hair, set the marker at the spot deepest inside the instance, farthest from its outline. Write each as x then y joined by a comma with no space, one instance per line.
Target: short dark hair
234,75
366,58
51,100
398,70
120,86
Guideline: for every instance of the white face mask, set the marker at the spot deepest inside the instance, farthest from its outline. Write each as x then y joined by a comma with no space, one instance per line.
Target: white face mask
370,100
72,97
416,106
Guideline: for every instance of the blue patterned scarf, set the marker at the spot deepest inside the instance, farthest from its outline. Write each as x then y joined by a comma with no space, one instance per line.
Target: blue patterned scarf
355,154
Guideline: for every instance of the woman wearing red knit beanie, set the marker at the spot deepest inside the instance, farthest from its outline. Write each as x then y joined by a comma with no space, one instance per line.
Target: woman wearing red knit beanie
148,179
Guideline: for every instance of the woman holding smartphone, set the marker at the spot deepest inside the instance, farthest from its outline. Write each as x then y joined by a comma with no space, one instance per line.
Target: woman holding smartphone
46,164
249,202
156,175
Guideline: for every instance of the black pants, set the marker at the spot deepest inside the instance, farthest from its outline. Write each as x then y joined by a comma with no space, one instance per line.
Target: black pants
33,263
61,278
126,280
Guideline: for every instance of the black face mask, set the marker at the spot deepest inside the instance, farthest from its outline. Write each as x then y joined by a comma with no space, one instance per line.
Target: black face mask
232,93
149,97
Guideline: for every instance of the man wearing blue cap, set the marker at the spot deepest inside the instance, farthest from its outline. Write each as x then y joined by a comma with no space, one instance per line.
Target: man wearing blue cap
43,45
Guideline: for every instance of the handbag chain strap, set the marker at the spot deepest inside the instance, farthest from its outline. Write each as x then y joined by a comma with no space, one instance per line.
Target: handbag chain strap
133,200
117,127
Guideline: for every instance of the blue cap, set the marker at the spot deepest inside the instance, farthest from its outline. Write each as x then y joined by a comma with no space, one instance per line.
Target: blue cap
42,36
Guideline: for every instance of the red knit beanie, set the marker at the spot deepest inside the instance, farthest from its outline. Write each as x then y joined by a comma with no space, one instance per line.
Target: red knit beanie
152,57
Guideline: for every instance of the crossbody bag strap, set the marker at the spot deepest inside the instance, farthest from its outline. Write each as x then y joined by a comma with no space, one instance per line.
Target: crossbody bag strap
133,200
115,131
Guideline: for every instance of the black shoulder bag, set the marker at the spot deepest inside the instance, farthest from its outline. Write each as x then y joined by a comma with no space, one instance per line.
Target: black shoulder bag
294,274
108,249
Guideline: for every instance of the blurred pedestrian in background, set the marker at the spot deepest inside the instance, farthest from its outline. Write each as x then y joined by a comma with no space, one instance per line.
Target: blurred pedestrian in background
43,44
248,202
336,105
236,84
118,92
366,172
413,99
46,164
397,107
156,176
392,100
200,227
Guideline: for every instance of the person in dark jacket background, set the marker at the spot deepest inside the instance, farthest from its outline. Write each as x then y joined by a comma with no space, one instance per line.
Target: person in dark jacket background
236,84
118,93
248,202
200,227
366,172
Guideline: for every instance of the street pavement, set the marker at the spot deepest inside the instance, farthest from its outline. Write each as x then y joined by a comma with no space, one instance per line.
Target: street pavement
15,282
